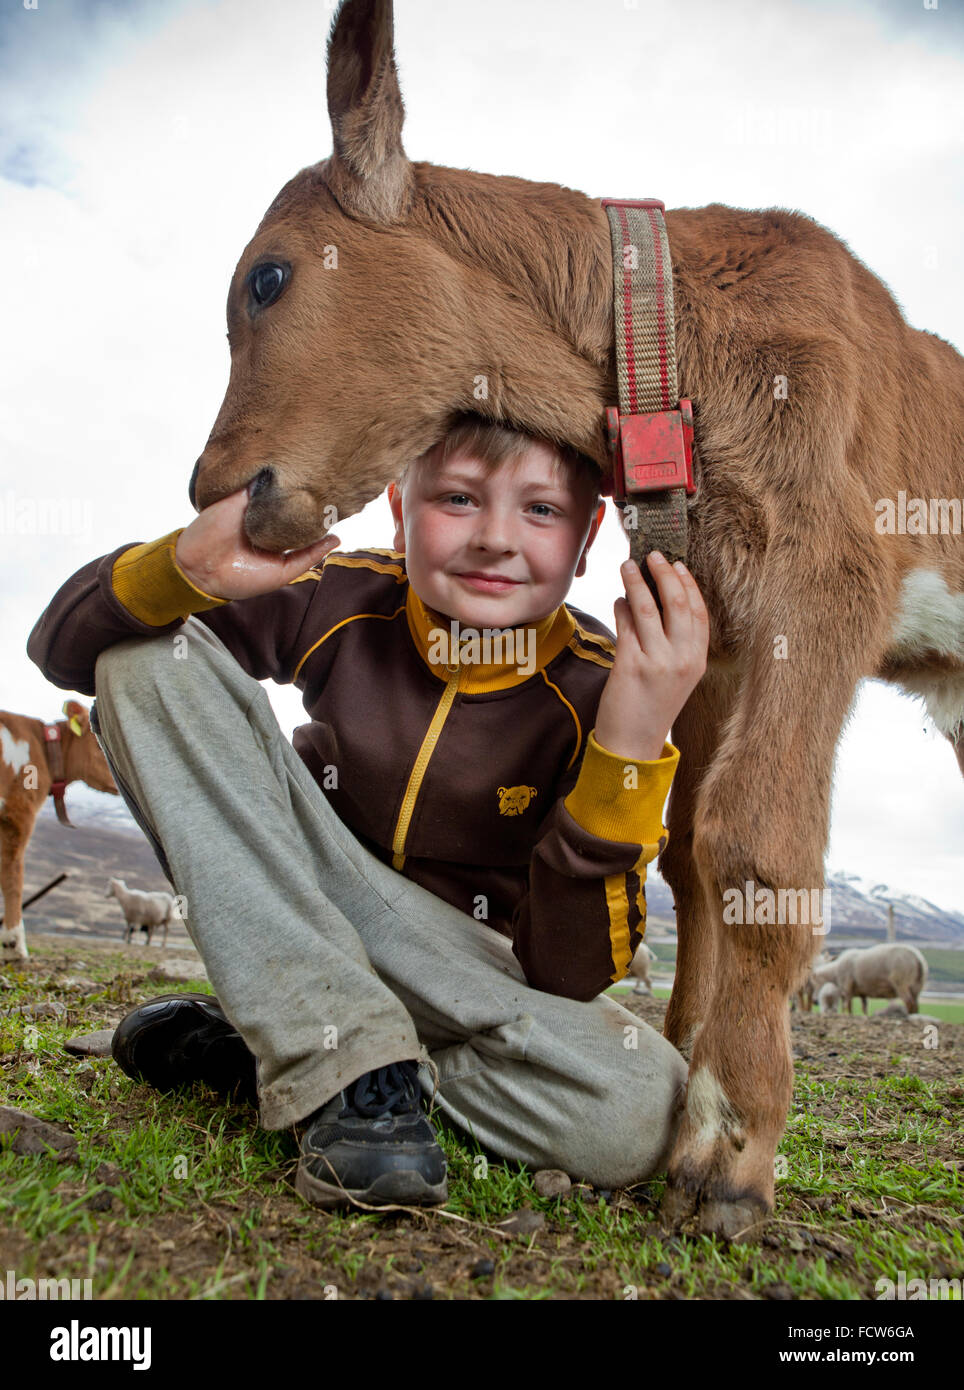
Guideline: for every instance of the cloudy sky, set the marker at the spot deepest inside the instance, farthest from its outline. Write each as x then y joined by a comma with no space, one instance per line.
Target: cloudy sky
142,140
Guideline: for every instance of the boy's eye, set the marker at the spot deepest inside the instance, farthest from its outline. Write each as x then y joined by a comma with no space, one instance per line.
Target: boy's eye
547,510
456,497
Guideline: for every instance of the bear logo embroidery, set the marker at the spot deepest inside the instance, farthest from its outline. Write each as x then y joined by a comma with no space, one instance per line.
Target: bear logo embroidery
514,800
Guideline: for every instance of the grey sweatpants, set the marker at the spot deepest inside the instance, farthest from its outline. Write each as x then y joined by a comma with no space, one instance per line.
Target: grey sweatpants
330,963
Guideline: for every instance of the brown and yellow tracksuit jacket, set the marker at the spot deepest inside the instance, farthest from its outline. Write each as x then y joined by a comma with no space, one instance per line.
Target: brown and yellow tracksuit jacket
480,782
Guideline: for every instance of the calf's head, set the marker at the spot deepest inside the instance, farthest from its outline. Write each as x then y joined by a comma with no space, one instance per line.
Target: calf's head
380,298
83,759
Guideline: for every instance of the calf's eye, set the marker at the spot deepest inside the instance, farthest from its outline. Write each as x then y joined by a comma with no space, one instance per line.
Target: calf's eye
267,281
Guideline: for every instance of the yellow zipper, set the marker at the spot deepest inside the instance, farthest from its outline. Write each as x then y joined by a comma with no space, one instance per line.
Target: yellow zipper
421,763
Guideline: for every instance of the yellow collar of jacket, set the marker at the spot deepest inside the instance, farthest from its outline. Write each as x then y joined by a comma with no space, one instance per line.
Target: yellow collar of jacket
508,656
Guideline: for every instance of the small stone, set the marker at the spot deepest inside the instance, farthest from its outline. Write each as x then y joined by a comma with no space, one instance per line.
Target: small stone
482,1269
604,1194
552,1182
385,1295
33,1136
664,1270
898,1009
781,1292
79,983
524,1222
45,1008
179,970
423,1293
109,1174
100,1201
90,1044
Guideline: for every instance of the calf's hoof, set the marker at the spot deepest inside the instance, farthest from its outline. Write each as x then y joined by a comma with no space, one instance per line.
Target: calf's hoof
720,1177
737,1219
13,945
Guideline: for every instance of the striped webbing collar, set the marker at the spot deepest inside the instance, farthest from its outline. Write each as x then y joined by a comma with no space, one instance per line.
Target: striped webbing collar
651,432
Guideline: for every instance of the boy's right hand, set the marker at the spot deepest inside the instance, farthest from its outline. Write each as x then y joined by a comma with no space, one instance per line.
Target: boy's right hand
218,558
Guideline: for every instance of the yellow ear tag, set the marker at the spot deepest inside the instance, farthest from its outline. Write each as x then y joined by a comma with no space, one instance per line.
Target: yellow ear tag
75,724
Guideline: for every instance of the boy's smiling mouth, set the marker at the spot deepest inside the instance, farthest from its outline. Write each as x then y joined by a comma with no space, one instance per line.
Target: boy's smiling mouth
487,582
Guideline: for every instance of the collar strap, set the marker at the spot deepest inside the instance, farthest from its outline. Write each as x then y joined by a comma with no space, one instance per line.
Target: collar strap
53,747
651,432
486,659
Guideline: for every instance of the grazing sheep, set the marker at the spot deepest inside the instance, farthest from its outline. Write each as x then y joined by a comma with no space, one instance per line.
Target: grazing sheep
144,910
828,998
639,969
807,993
888,971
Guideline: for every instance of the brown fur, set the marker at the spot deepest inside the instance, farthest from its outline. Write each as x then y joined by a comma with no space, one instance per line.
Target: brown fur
20,804
447,276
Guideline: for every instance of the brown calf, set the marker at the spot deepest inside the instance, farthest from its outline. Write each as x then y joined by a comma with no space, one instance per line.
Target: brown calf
378,298
26,780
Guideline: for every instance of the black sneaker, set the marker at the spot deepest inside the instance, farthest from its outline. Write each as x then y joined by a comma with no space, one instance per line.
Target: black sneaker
174,1040
373,1143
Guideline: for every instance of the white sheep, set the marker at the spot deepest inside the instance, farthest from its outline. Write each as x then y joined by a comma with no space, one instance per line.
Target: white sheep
143,910
803,998
888,971
828,998
639,969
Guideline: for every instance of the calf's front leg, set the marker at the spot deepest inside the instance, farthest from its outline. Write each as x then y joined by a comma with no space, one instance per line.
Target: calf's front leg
759,836
13,843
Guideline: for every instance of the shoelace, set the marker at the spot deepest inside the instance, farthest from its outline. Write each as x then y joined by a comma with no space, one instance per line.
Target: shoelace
379,1091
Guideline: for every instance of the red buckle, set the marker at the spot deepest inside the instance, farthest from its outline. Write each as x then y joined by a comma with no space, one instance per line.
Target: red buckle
51,733
57,789
651,452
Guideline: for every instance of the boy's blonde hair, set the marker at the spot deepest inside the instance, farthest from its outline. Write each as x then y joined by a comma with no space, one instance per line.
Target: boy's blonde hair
494,444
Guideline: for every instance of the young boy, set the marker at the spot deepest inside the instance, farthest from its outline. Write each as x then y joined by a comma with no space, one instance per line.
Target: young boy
448,863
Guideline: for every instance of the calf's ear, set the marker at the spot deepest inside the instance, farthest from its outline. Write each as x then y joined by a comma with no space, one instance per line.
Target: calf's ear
369,173
73,711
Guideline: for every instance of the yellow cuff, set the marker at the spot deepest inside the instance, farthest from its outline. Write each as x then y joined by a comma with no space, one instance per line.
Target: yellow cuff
148,582
620,798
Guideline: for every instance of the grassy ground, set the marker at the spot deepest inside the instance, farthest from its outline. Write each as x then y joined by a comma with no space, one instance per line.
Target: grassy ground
184,1197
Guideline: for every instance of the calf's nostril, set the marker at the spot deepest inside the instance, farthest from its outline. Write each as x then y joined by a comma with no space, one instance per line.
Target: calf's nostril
262,481
192,485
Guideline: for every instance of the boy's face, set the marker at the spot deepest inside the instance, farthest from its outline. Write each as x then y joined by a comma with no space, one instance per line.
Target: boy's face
525,522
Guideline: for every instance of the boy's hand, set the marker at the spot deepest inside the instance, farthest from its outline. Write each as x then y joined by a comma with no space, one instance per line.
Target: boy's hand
217,556
656,667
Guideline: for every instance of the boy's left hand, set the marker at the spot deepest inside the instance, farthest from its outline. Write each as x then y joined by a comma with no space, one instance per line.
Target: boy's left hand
659,660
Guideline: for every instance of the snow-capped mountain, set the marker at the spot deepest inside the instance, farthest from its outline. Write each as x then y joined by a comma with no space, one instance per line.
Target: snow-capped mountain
858,907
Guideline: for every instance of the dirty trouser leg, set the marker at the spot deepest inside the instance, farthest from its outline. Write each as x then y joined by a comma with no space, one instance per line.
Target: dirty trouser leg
287,909
194,745
547,1081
